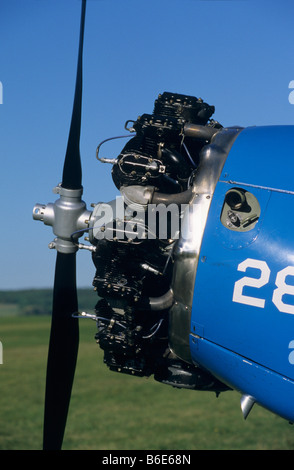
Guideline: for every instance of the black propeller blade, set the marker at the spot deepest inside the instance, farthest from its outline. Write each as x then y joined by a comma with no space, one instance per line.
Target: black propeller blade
72,171
64,337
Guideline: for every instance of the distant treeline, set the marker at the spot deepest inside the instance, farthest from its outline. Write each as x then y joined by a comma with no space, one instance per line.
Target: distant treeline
39,301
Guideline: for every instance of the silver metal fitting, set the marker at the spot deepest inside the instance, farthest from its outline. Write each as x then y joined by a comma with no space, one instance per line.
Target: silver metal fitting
137,197
67,216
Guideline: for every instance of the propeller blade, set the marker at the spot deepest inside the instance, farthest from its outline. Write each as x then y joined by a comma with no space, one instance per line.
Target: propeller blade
72,171
64,336
63,350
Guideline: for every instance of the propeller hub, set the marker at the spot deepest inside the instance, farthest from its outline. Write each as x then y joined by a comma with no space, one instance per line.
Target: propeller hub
67,216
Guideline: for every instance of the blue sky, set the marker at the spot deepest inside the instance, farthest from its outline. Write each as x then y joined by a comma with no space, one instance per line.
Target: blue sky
236,55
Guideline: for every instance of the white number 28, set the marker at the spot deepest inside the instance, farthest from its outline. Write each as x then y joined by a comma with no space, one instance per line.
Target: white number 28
282,287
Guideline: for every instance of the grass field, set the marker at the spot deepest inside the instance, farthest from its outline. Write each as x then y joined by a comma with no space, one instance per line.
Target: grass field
111,411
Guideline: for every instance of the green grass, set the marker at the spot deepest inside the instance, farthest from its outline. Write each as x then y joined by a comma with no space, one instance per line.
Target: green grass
38,301
112,411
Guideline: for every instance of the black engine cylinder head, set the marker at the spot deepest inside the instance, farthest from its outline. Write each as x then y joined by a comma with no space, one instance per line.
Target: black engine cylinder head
158,147
188,108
